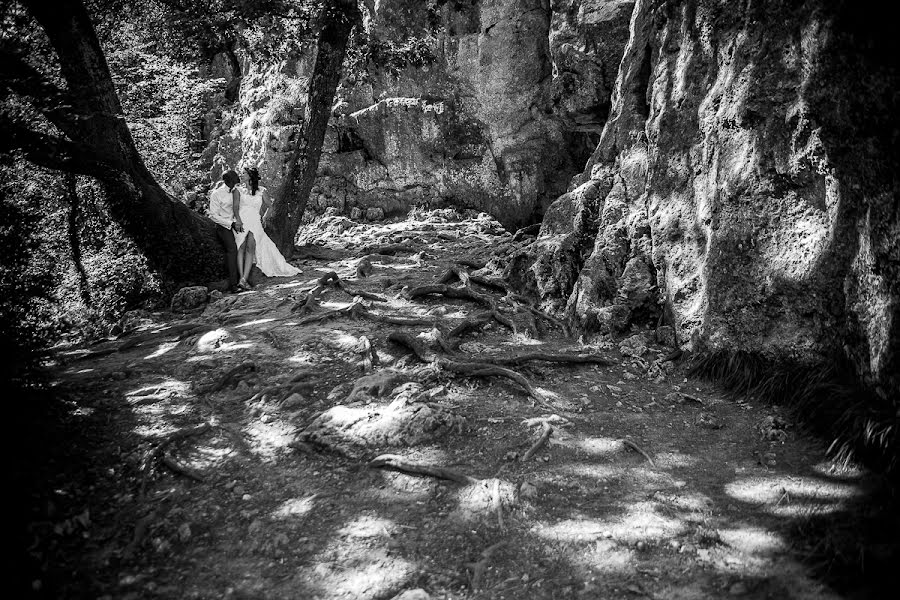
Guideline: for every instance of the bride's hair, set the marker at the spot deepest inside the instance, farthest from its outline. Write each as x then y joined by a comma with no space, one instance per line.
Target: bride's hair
254,179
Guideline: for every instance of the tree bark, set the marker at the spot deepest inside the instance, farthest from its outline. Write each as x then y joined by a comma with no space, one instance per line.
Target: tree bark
176,241
74,241
339,17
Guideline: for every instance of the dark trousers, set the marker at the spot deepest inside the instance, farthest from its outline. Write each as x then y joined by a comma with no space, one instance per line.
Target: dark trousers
227,238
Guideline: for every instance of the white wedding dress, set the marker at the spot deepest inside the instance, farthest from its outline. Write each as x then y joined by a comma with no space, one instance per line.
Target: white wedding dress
268,258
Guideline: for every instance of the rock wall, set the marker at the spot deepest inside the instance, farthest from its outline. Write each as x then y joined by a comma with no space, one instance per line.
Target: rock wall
744,189
485,104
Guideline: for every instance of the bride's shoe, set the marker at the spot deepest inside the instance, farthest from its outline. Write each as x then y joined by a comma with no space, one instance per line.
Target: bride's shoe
243,284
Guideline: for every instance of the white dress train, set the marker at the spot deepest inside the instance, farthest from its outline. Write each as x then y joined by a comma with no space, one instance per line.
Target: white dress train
268,258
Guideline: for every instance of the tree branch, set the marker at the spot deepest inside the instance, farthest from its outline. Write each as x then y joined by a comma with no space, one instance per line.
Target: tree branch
53,152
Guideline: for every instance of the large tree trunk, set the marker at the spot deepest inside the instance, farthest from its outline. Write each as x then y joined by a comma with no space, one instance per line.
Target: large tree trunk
178,242
290,201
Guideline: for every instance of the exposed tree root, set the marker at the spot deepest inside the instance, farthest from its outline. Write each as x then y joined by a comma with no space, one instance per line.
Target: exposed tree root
363,267
357,310
180,469
394,462
466,368
546,432
639,450
464,293
498,505
158,451
556,358
471,262
387,249
232,376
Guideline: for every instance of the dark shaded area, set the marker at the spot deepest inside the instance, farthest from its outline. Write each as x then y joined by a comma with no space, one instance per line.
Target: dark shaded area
857,550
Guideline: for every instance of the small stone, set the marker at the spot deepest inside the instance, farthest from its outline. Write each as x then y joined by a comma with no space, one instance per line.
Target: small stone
641,546
293,401
184,532
738,588
246,497
528,490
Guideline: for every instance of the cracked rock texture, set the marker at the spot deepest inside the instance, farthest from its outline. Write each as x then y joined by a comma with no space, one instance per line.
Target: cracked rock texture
744,190
486,104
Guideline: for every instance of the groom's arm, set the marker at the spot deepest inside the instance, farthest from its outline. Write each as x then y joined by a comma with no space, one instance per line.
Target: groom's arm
236,208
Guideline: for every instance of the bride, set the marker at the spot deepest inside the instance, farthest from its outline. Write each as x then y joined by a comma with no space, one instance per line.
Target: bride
254,246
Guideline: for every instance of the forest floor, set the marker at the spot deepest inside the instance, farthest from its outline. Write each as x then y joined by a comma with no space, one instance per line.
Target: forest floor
285,442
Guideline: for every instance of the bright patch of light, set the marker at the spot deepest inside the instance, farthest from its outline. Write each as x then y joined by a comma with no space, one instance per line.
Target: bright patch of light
792,496
267,439
256,322
597,446
572,530
753,540
669,460
599,472
368,527
162,349
606,556
305,358
366,573
519,339
295,508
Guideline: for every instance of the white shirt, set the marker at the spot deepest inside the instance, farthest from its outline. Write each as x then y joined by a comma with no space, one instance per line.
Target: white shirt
221,205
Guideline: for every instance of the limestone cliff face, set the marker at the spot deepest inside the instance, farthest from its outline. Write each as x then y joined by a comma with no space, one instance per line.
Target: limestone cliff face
488,104
744,189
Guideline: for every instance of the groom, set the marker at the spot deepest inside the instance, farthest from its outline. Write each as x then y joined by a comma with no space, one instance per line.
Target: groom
224,210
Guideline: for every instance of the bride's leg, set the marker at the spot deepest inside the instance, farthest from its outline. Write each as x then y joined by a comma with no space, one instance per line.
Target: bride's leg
241,254
248,257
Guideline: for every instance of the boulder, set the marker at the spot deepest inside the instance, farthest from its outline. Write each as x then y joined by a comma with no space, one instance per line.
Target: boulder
190,298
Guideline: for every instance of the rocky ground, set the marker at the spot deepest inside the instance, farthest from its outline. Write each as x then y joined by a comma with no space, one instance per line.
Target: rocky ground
359,436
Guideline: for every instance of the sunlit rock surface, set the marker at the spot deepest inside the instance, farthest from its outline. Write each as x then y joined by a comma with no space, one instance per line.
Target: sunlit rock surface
486,104
744,188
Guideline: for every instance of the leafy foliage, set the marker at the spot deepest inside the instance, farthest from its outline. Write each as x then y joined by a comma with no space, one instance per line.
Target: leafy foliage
26,283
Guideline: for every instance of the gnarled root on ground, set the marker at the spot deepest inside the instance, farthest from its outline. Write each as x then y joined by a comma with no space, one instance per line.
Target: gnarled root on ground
394,462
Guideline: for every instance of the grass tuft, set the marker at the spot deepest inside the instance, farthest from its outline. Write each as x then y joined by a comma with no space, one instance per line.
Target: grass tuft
824,399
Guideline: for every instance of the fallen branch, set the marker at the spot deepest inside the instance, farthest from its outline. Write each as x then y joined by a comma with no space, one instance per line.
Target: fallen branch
394,462
547,430
639,450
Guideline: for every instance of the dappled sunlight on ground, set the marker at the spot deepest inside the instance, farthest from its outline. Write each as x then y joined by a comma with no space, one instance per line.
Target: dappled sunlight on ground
295,508
268,439
242,506
162,349
256,322
793,495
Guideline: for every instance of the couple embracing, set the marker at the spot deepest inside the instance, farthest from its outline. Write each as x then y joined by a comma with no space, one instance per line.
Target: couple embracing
237,211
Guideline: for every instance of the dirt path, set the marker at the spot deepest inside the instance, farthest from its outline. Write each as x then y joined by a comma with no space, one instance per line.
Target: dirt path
182,469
